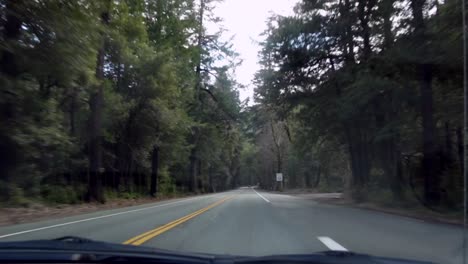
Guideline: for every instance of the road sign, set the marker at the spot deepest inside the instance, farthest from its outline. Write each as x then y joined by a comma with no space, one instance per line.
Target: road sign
279,177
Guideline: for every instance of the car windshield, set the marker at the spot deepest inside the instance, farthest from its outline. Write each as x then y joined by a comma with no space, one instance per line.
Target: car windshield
240,127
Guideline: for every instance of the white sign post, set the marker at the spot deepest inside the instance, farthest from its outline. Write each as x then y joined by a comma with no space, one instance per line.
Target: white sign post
279,177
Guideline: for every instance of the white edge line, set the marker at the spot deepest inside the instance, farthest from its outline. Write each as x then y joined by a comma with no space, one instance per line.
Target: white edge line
331,244
261,196
95,218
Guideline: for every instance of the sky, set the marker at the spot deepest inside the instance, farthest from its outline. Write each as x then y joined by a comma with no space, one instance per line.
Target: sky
246,20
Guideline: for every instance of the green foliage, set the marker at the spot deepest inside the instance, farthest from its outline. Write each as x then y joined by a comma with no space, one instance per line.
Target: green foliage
346,77
57,194
12,195
54,133
166,183
112,194
334,110
130,195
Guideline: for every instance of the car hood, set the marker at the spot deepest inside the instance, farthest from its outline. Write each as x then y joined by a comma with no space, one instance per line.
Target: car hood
79,249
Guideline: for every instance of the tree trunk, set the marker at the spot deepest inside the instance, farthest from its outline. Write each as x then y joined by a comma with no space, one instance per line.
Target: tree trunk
279,164
236,180
200,183
193,171
95,151
459,133
200,49
448,144
11,31
387,151
210,178
199,168
358,143
392,167
95,192
118,81
348,33
364,10
317,179
429,167
429,170
250,176
358,147
307,179
72,111
229,178
387,6
154,171
279,160
118,164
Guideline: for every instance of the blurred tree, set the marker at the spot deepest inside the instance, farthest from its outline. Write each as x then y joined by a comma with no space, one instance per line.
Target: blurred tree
346,73
114,83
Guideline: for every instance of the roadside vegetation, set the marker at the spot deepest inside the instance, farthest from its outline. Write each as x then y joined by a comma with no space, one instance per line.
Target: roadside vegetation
105,99
366,97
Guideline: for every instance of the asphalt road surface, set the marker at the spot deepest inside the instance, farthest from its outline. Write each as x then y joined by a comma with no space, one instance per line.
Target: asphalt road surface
252,222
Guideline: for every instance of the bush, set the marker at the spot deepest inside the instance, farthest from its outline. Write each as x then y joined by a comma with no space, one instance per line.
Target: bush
111,194
58,194
4,191
129,195
166,184
11,195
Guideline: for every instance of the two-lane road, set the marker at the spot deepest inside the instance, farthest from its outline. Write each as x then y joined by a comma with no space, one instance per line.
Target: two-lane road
254,223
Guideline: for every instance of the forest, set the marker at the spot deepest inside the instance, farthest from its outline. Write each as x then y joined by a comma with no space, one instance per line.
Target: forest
128,98
366,95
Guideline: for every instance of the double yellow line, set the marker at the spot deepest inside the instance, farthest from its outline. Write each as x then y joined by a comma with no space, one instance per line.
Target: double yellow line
140,239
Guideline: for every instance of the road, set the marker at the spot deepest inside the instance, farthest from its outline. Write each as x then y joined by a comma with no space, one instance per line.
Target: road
253,222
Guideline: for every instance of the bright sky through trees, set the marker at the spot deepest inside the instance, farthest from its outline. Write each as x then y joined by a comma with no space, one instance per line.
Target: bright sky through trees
245,19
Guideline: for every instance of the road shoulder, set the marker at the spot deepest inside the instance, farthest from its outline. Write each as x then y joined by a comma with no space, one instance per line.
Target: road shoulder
419,212
39,212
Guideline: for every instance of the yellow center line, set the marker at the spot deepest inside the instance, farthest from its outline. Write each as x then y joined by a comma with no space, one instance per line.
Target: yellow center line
142,238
